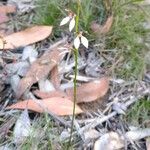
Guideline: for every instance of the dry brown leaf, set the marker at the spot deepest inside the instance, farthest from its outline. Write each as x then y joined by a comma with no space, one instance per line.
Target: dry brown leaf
26,37
44,95
57,105
90,91
102,29
3,18
40,69
87,92
55,77
7,9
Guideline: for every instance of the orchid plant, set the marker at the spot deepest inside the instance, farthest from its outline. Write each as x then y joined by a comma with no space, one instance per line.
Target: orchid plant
73,20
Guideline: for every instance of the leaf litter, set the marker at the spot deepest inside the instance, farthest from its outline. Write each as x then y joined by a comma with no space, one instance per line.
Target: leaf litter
26,37
39,85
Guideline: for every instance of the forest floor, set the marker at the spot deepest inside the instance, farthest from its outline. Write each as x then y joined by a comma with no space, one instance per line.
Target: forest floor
37,75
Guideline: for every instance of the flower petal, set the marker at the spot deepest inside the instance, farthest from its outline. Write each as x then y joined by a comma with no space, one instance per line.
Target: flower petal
76,42
84,41
72,24
64,21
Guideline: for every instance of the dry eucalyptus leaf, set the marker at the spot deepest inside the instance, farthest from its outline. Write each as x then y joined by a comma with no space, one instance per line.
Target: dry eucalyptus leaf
138,134
29,53
14,81
22,128
26,37
51,94
109,141
148,143
91,91
55,77
6,147
57,105
102,29
40,69
87,92
7,9
3,18
46,86
91,134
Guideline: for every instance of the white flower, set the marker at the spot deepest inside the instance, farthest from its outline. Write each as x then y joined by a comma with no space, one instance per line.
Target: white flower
64,21
72,24
70,18
77,42
84,41
80,39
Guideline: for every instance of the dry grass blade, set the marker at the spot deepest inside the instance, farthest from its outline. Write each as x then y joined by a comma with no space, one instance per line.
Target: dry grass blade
27,36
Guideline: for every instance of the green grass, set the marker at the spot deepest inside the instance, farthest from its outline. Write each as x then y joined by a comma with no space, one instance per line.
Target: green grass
138,114
125,35
51,12
45,134
42,134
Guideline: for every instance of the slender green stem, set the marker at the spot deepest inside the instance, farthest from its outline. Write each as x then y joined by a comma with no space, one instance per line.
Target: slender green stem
75,73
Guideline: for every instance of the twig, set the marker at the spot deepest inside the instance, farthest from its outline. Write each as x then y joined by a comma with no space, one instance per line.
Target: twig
98,121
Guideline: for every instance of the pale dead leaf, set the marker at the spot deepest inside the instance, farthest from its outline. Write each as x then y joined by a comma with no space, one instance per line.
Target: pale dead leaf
91,134
45,85
138,134
102,29
109,141
27,36
7,9
22,128
57,105
91,91
148,143
40,69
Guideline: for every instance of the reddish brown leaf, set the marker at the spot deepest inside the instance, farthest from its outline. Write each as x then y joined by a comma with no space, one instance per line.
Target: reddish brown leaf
3,18
7,9
90,91
57,105
102,29
44,95
26,37
87,92
55,77
40,69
